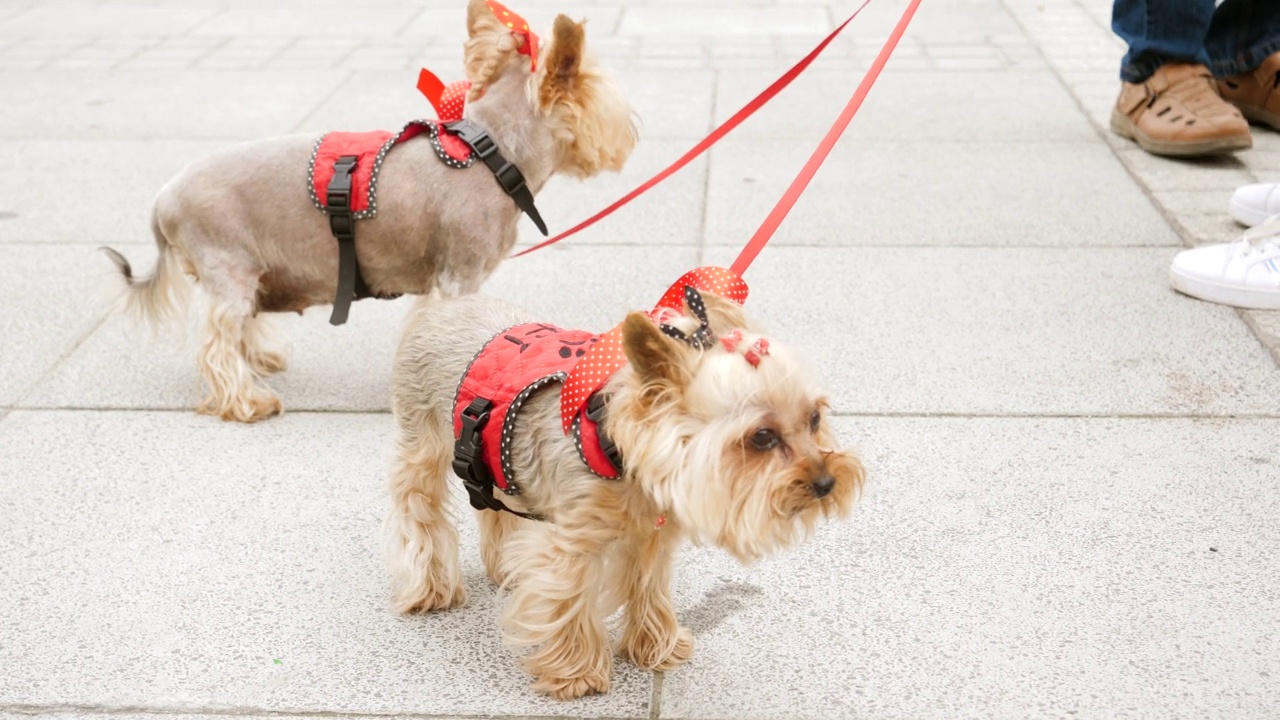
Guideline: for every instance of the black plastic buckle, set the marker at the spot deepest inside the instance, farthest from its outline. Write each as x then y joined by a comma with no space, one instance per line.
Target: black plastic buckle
595,413
510,178
474,136
467,463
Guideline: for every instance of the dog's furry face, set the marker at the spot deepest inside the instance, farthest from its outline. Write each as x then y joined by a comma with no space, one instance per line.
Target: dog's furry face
739,453
589,117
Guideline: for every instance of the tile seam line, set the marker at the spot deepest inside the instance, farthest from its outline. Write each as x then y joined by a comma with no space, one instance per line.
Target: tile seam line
655,694
50,371
343,79
247,711
1170,219
404,28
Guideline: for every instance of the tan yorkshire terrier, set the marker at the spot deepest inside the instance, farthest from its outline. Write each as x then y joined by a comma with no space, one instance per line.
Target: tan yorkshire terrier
706,431
283,224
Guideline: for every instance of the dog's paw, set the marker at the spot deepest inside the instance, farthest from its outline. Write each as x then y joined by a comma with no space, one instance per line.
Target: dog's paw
266,362
650,653
252,407
572,688
431,600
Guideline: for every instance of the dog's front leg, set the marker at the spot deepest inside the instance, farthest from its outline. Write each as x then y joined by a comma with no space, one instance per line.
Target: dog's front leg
651,636
556,574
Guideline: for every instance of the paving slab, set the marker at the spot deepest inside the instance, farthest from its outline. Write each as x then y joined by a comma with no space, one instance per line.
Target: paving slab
933,193
170,561
88,191
1008,331
668,214
349,367
322,18
176,104
85,19
690,19
962,106
49,308
1009,568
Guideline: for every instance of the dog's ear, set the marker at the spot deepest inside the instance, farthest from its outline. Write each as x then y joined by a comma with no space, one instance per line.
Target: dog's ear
657,359
568,42
724,315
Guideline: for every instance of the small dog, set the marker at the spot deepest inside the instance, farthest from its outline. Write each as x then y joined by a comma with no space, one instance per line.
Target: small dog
722,439
245,225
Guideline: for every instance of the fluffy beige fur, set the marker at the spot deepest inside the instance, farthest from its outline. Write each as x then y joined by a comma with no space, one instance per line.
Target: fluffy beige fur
684,421
241,222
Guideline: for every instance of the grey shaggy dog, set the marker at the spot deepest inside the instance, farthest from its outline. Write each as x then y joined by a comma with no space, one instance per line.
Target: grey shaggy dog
242,224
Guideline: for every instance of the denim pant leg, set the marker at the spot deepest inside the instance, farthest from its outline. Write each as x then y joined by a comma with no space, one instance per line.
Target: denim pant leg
1243,34
1159,32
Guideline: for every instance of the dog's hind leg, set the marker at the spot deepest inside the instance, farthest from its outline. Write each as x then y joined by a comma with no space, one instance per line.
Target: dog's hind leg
494,528
256,346
422,542
234,391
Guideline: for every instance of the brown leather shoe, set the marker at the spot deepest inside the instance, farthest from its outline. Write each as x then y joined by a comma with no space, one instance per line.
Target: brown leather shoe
1257,94
1178,111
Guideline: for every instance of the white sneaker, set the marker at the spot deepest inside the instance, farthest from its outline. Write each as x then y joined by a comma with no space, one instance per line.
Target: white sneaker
1245,273
1253,204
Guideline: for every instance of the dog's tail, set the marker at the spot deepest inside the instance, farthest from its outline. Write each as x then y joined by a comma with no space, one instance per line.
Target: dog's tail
161,299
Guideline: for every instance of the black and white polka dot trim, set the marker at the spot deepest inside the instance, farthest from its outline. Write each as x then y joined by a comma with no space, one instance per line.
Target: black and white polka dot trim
429,128
509,425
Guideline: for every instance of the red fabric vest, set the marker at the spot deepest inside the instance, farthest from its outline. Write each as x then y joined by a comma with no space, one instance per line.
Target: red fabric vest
511,366
371,148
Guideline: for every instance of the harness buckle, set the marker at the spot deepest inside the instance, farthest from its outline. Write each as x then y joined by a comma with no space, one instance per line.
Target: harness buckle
510,178
474,136
467,463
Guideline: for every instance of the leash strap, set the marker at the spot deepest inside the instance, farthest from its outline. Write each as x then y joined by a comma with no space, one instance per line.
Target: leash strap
725,128
788,200
343,228
507,174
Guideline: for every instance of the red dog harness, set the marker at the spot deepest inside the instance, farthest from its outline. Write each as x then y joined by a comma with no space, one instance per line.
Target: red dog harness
342,178
513,365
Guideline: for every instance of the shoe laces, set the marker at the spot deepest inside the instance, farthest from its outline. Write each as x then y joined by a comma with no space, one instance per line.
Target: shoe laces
1261,239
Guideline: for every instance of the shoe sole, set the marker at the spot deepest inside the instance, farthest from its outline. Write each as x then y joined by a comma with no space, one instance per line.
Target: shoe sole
1260,116
1246,215
1125,128
1224,294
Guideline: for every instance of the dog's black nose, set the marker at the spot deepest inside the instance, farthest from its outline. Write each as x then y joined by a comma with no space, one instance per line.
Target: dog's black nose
822,486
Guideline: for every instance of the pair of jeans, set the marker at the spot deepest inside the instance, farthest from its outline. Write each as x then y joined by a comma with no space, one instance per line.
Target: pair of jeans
1231,39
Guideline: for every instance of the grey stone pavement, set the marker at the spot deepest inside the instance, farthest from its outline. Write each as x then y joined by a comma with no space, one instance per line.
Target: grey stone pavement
1074,497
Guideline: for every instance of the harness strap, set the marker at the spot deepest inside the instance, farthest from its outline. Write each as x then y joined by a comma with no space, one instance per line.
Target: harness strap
508,175
469,464
595,413
342,225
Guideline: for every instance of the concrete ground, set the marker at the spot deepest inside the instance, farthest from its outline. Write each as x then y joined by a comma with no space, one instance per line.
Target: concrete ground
1074,497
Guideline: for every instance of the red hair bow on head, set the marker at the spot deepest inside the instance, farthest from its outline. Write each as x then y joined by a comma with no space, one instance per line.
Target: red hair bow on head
519,26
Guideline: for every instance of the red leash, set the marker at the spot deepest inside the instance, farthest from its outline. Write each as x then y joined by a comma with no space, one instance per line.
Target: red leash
747,111
779,212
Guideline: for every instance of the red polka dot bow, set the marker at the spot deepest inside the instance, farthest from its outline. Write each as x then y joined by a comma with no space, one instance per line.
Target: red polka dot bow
607,357
448,100
520,28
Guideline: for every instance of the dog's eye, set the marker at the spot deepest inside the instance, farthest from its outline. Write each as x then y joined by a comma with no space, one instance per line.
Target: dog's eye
765,439
814,419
